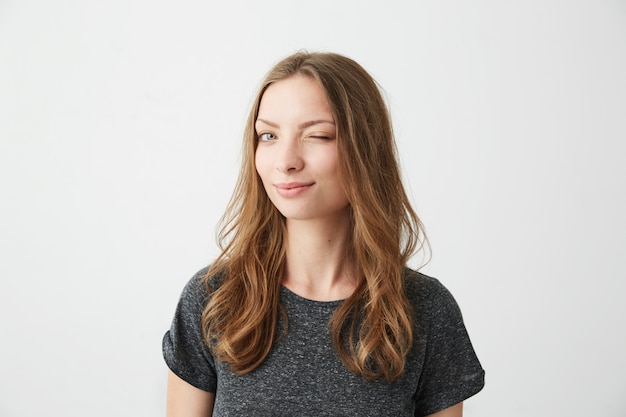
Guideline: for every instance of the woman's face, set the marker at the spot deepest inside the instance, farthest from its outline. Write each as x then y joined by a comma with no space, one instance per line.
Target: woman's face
296,154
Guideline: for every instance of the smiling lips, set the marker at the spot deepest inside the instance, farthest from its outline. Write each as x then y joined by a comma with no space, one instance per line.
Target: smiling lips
292,189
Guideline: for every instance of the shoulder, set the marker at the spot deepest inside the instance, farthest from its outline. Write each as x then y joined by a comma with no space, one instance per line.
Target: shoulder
196,290
423,287
430,298
184,348
196,286
450,371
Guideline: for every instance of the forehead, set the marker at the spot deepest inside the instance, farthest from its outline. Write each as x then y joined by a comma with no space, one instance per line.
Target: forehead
295,97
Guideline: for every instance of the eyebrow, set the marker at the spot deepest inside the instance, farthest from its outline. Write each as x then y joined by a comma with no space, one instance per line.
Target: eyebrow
300,126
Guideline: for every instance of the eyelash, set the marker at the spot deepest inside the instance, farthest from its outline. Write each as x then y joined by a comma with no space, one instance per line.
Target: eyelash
262,137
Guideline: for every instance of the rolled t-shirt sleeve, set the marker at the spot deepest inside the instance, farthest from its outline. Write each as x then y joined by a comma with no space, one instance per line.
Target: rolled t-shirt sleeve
184,349
451,371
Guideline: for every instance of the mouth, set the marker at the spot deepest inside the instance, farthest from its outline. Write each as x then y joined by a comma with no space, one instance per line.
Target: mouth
292,189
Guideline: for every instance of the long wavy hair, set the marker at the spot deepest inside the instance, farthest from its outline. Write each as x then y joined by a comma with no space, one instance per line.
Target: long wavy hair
373,329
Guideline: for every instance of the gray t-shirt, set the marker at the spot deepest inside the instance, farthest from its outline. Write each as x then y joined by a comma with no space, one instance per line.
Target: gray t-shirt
303,375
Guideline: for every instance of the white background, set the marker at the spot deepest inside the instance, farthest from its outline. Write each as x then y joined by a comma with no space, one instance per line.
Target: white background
120,126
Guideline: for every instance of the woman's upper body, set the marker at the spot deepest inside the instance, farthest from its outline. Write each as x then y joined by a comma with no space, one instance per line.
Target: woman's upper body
303,374
309,309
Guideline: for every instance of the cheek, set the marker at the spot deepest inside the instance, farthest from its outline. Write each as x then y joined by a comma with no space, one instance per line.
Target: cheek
330,163
263,166
333,171
258,162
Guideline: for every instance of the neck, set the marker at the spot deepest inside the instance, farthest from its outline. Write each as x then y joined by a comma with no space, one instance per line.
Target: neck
317,265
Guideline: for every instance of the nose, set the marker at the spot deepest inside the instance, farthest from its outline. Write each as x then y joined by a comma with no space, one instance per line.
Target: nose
289,157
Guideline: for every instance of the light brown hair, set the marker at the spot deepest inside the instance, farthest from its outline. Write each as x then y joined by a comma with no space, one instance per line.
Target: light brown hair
372,330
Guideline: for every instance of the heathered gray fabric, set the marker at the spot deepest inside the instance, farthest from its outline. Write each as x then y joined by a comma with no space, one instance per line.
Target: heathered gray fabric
303,375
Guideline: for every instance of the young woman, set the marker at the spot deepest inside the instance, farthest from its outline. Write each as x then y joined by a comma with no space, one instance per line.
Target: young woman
310,309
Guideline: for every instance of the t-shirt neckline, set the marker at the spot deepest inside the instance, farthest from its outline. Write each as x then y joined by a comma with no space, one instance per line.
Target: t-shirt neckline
298,298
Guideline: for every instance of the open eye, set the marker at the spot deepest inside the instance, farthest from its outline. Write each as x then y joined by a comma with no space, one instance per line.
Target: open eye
264,137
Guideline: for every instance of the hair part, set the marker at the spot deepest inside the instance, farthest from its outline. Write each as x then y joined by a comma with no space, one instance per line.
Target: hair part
373,329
